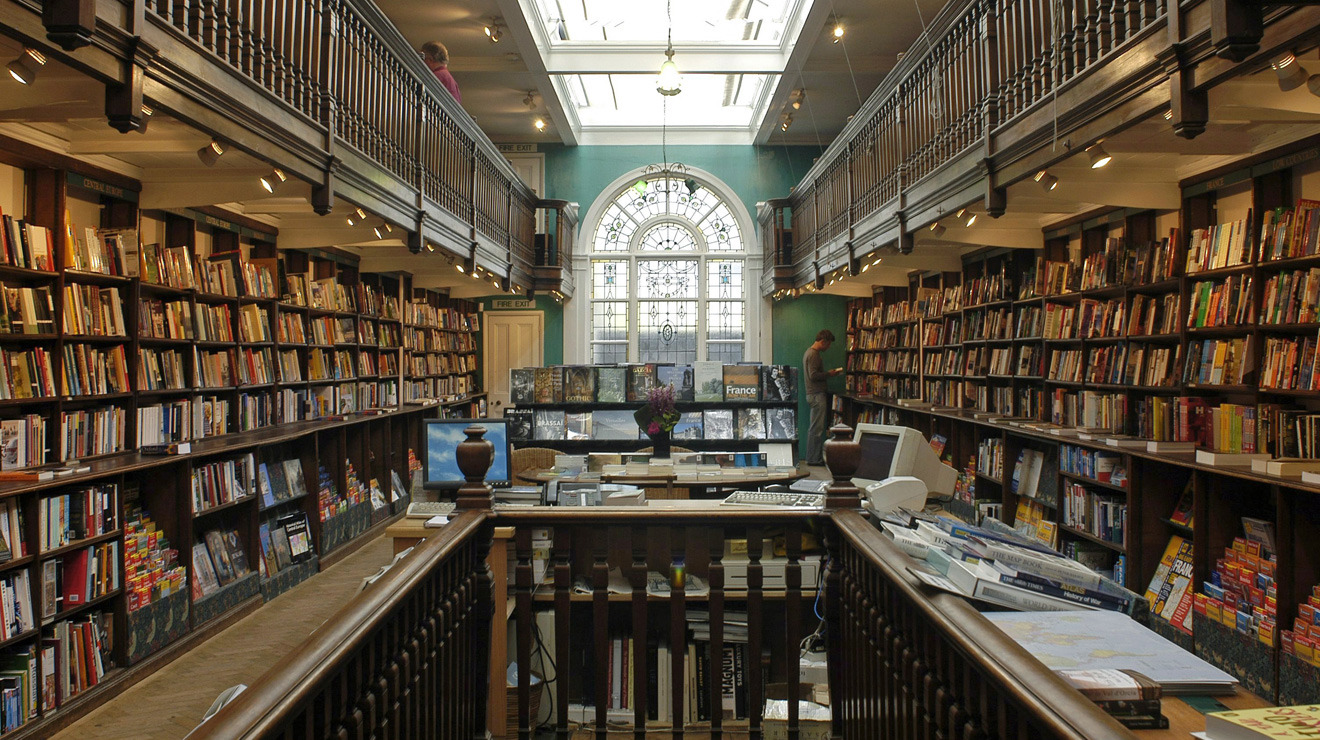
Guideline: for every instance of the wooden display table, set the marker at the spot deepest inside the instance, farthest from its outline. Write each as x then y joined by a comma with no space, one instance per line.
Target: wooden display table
696,487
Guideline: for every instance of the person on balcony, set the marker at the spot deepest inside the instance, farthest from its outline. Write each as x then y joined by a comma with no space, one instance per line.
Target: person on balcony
436,57
817,394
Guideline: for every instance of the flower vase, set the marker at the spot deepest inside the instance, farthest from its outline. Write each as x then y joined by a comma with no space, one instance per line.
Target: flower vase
659,444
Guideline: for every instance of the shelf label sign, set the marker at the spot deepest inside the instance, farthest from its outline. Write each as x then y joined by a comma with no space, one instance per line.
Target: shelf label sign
83,182
509,304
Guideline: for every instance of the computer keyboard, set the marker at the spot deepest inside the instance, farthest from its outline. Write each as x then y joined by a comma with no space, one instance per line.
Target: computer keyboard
428,509
775,498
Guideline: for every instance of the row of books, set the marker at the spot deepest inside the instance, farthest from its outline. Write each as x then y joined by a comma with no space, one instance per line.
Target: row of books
440,364
450,319
219,559
1101,465
1099,514
1218,361
75,656
68,517
102,251
281,481
221,482
24,244
89,310
700,381
421,339
285,542
601,424
1222,245
76,578
152,570
1227,302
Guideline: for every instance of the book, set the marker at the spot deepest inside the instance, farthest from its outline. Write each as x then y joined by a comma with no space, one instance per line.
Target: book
1266,723
779,383
742,383
520,424
781,423
614,424
263,484
204,574
236,552
522,386
1182,511
718,423
269,564
547,385
678,376
611,384
641,379
1111,684
1170,590
293,478
577,425
579,384
708,381
548,424
176,448
299,538
750,423
219,554
690,426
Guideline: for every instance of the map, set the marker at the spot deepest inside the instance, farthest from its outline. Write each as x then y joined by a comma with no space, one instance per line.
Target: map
1104,639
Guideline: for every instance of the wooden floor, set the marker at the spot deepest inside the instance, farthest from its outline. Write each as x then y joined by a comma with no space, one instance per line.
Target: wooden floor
169,703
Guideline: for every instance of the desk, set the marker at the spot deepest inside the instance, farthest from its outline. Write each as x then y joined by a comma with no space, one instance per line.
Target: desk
697,487
1184,719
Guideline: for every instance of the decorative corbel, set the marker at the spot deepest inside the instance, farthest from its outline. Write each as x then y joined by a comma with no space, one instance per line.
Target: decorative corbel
69,23
1236,28
123,100
323,195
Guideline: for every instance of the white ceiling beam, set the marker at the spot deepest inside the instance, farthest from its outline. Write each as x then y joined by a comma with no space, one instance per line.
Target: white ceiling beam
980,237
524,39
705,60
812,26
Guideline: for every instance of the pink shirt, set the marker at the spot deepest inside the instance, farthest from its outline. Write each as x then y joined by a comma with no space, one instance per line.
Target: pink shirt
446,79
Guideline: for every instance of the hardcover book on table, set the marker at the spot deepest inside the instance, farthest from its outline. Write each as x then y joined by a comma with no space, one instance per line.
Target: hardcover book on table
1265,723
718,423
547,383
708,381
779,383
742,382
611,385
751,423
781,423
579,384
548,424
641,379
520,424
522,386
690,426
613,424
679,376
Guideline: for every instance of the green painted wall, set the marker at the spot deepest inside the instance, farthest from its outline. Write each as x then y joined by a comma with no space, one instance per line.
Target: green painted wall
552,314
796,323
580,173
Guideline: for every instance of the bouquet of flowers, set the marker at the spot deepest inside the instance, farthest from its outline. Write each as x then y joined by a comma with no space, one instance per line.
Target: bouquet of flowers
659,414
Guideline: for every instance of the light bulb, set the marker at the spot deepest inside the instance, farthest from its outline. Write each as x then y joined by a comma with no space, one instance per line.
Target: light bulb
838,31
1099,157
670,82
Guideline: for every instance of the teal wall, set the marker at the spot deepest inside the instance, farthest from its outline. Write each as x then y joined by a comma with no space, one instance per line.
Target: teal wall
580,173
796,323
553,316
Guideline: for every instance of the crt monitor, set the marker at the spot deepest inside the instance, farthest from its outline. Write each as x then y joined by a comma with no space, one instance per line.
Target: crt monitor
890,451
442,437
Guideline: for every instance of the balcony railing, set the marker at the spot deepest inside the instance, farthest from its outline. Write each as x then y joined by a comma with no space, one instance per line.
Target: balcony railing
963,113
329,90
406,657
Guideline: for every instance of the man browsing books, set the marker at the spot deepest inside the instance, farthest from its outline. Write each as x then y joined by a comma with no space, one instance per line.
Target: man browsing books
817,394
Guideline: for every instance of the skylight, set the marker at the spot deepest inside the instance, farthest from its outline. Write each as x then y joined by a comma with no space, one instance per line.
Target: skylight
645,22
707,100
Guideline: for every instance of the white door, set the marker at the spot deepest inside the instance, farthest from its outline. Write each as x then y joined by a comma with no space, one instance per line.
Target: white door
509,339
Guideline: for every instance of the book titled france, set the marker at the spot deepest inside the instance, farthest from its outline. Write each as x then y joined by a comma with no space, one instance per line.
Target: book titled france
1268,723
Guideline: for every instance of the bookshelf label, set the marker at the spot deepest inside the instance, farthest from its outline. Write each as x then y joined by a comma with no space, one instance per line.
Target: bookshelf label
83,182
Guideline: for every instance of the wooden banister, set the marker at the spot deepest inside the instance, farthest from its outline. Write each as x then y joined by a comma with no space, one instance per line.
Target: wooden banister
400,655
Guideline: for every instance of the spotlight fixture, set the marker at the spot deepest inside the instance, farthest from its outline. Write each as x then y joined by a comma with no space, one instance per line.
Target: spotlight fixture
530,100
147,113
383,229
838,30
1046,180
796,98
458,266
786,123
669,82
356,217
937,229
24,68
210,154
866,267
1099,157
971,219
539,124
1291,74
273,180
430,247
494,32
1168,115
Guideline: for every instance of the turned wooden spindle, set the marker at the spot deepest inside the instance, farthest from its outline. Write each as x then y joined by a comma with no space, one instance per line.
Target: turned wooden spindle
475,455
842,456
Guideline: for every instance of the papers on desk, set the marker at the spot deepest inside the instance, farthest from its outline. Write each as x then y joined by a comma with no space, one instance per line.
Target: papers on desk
437,521
1104,639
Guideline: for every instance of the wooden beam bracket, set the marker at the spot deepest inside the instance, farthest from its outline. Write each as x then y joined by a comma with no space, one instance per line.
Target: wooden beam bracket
123,100
69,23
1236,28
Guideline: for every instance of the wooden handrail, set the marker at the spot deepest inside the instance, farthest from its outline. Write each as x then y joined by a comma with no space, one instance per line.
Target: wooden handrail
355,647
1036,696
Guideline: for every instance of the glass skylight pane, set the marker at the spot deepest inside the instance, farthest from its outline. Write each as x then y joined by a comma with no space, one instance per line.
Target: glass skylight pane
736,21
707,100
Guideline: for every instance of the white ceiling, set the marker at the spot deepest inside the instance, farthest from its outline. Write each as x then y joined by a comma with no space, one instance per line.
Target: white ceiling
755,61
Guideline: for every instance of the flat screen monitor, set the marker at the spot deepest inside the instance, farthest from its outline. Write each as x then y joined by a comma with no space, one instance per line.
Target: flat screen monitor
442,437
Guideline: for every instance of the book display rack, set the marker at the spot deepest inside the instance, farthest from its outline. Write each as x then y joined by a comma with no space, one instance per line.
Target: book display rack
191,421
1157,417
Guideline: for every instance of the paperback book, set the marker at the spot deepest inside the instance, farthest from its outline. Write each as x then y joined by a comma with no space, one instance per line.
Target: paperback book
690,426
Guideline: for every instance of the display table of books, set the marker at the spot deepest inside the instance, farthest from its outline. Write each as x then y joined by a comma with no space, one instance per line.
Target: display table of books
697,485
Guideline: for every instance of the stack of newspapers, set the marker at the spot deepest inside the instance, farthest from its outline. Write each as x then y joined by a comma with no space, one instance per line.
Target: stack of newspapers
993,563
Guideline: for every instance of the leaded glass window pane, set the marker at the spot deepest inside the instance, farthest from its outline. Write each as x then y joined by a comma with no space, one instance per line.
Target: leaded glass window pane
721,231
609,279
667,331
668,237
730,353
609,354
667,279
724,279
609,321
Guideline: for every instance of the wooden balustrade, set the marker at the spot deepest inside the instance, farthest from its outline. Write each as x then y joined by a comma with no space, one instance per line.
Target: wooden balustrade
406,658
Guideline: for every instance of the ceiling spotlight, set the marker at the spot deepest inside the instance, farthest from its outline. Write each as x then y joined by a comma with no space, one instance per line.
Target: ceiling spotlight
530,100
210,154
1099,157
459,267
147,113
356,217
1291,74
273,180
383,229
937,229
838,30
866,267
24,68
797,97
1046,180
971,219
539,124
1168,115
786,123
494,32
430,247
